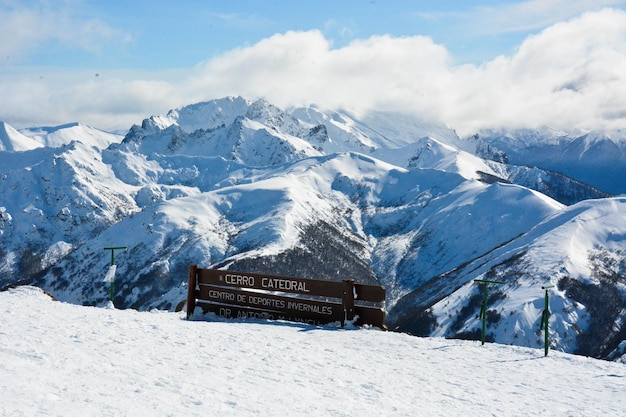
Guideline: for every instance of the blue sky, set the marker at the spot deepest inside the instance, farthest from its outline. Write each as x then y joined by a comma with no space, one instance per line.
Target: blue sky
160,34
112,63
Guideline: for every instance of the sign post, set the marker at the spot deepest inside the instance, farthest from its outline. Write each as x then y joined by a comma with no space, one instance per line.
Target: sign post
483,305
545,317
110,276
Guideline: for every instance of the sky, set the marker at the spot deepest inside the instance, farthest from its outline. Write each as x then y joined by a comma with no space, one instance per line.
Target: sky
470,65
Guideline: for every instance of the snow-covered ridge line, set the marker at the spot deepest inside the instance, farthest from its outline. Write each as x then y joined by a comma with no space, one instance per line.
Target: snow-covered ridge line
54,137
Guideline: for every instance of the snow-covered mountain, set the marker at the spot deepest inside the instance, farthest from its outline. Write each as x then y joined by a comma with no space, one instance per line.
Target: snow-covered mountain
11,140
596,158
579,250
381,197
57,136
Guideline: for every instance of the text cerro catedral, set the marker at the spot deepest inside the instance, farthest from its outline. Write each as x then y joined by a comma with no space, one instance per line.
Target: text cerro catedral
267,283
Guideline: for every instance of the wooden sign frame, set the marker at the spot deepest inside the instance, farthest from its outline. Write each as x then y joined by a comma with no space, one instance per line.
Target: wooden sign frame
231,294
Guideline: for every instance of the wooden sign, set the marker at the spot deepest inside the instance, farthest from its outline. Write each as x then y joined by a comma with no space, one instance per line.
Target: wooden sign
231,294
289,306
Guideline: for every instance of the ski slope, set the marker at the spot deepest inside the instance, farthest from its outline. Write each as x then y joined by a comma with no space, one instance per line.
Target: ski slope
59,359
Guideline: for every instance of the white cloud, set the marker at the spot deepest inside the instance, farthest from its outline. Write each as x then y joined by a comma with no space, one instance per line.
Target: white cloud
111,100
511,17
571,75
301,67
240,20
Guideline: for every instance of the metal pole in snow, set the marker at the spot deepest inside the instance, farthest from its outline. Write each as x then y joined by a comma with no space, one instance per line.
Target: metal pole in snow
483,305
111,274
545,317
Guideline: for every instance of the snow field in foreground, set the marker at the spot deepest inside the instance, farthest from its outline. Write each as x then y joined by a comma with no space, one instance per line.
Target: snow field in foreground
59,359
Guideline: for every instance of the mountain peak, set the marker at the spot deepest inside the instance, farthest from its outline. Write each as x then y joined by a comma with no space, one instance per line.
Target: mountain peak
57,136
204,115
13,141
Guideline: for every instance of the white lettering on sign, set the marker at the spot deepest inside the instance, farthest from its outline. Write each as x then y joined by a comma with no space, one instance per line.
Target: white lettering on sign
283,284
300,320
266,302
224,313
254,315
220,295
239,280
310,308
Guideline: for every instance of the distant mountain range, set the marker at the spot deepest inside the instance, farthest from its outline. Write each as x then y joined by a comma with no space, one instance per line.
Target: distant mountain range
380,197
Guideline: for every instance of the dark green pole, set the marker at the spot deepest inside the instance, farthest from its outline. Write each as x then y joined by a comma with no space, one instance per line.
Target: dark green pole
113,249
545,317
483,312
483,305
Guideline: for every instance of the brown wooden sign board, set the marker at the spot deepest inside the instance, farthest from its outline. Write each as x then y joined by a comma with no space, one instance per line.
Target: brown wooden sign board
370,315
238,312
332,311
374,293
231,294
364,315
270,283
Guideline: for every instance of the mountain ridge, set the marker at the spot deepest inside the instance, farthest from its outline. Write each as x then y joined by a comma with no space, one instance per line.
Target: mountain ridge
241,184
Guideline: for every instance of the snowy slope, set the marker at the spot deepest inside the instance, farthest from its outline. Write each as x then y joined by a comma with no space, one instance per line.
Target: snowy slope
595,158
58,136
429,153
59,359
579,250
262,135
11,140
374,129
53,201
206,115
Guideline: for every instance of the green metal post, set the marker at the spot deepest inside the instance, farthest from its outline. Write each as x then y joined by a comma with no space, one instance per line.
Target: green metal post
483,313
545,318
483,305
113,249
